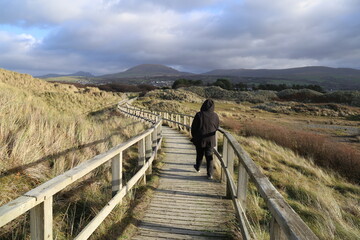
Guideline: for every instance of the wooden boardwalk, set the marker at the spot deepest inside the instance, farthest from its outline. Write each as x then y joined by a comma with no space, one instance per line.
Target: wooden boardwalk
186,205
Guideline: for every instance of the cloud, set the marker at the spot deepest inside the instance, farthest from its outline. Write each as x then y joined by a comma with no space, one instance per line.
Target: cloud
104,36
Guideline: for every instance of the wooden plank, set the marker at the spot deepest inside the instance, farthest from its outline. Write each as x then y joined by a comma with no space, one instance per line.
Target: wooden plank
224,157
230,167
275,231
148,151
184,231
116,169
242,187
186,217
144,235
41,220
142,155
15,208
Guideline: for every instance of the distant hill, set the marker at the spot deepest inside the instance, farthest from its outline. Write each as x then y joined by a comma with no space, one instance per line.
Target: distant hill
77,74
146,70
329,78
302,71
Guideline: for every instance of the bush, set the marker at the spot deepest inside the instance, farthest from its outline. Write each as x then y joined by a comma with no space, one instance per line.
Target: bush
303,95
186,83
347,97
223,83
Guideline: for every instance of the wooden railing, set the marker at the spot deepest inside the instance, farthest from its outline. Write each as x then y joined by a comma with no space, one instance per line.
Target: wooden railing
40,200
285,223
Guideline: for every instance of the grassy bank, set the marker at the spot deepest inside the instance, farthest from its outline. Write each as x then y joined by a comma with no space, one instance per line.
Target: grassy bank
325,201
46,129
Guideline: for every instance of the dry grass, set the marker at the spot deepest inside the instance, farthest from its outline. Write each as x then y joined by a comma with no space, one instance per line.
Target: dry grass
325,152
326,202
46,129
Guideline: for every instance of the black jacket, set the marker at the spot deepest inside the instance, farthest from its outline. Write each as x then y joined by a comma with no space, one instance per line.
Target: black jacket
204,125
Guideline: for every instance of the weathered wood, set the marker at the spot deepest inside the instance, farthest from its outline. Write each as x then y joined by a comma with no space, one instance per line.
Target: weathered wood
230,166
275,231
116,169
154,138
142,155
41,220
148,151
15,208
242,187
224,157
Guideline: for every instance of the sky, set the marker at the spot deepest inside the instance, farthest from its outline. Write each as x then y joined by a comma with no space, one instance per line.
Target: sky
109,36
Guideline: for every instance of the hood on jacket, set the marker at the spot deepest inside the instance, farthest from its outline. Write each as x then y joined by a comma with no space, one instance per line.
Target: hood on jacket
208,105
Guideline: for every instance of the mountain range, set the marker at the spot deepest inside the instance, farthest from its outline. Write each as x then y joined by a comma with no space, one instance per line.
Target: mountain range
147,70
327,77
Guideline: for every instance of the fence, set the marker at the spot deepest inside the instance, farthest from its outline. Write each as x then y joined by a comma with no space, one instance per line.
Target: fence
285,223
40,199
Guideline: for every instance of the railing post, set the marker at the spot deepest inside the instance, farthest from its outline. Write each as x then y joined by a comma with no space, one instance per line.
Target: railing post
159,133
141,149
243,179
216,160
154,137
224,157
41,220
185,123
177,117
230,167
148,151
275,230
116,169
172,119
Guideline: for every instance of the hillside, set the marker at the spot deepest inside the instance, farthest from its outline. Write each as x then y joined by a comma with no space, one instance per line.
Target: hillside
48,128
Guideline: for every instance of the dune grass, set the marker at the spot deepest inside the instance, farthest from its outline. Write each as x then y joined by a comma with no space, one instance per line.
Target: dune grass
46,129
324,200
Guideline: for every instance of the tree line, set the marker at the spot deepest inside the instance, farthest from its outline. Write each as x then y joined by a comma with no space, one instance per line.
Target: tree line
228,85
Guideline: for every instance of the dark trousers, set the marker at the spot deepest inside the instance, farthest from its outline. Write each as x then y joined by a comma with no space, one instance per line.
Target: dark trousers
208,152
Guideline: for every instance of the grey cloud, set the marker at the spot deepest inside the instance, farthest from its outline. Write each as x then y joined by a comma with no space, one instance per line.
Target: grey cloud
110,36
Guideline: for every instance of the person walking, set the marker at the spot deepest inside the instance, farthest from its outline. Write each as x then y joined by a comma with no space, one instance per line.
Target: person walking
203,132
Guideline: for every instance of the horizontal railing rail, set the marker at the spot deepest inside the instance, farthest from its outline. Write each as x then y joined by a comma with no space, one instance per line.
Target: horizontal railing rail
285,222
40,199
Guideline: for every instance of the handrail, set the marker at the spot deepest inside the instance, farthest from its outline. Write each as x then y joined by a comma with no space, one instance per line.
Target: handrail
40,199
285,221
